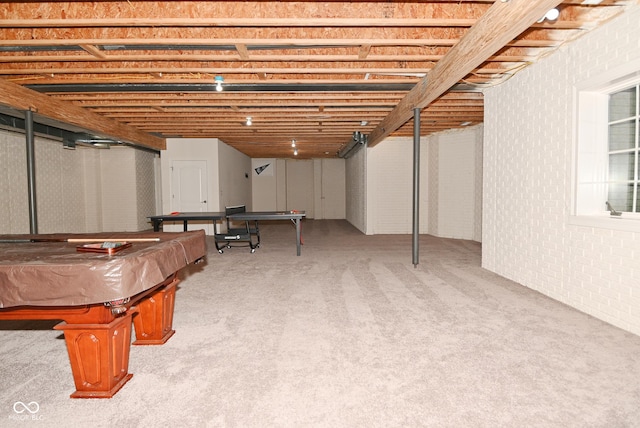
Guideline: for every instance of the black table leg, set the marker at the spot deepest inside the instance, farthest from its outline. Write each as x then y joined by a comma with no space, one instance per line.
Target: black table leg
298,236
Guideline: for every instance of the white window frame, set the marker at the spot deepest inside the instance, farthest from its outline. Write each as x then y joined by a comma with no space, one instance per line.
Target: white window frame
591,155
627,151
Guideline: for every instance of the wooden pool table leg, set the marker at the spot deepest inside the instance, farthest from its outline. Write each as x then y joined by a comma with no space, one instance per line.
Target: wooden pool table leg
99,356
154,321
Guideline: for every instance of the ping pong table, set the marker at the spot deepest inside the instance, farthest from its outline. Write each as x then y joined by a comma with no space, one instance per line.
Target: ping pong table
157,220
293,215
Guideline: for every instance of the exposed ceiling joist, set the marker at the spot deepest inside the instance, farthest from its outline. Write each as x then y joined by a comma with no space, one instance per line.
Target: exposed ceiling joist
314,71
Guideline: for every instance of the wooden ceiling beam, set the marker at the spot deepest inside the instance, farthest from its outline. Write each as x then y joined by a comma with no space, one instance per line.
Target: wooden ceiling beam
23,99
502,22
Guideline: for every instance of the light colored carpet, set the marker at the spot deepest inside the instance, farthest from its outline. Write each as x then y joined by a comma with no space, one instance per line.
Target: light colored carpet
350,334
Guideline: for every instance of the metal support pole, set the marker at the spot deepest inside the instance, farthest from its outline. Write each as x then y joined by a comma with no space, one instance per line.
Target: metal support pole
31,171
416,185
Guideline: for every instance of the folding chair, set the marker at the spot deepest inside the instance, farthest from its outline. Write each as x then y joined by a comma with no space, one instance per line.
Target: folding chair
240,232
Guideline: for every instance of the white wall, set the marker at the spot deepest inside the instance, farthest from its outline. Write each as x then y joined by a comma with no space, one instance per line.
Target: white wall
455,183
299,186
528,160
329,188
92,172
234,176
316,186
126,192
264,184
390,186
82,190
356,190
144,164
118,169
59,187
450,185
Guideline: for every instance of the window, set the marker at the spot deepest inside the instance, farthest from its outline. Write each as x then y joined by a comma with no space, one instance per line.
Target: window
607,150
623,194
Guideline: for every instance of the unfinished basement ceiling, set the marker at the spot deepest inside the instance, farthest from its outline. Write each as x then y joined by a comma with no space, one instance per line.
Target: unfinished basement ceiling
313,72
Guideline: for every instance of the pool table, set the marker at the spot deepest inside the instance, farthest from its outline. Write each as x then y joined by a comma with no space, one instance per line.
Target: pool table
98,294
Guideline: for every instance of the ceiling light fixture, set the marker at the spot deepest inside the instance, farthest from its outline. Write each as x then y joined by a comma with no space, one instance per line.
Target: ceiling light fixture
293,143
219,80
249,121
295,152
551,15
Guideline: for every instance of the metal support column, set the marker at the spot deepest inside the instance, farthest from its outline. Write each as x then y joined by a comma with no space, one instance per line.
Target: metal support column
416,185
31,170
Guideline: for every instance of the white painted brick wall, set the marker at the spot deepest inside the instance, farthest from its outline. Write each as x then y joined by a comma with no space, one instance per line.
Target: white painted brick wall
456,185
450,185
433,150
355,192
477,193
527,183
389,187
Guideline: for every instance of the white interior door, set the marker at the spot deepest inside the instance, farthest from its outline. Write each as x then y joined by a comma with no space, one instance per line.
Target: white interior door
189,189
332,189
299,181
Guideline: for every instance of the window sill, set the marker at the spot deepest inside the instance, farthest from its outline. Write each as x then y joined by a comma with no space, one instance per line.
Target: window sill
630,223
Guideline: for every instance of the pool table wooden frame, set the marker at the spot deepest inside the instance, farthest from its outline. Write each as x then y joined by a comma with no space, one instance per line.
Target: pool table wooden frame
98,297
98,336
